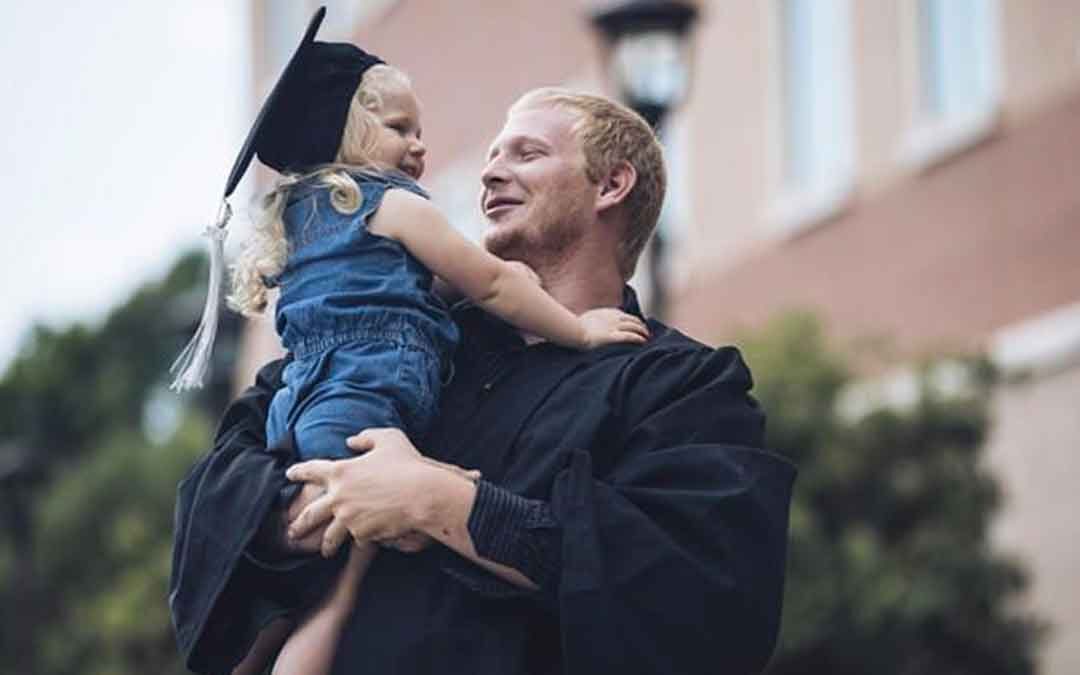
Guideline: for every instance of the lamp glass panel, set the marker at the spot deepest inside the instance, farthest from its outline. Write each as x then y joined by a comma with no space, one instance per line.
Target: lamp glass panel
651,68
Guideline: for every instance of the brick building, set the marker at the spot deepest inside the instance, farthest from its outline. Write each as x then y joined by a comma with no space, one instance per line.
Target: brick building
906,168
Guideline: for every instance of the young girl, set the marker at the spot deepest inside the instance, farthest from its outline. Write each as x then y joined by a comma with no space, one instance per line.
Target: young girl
353,246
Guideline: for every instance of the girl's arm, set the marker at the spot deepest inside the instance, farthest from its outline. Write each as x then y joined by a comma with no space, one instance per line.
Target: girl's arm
493,283
311,647
265,648
450,294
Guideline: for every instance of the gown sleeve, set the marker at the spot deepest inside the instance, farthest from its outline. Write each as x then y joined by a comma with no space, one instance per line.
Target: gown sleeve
517,532
220,594
674,529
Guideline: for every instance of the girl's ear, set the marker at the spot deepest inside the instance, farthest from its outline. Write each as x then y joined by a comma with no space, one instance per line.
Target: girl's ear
616,185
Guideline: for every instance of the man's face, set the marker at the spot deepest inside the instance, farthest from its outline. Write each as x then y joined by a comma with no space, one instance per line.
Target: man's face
536,197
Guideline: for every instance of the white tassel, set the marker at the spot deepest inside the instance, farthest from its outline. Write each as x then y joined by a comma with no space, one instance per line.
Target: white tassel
191,367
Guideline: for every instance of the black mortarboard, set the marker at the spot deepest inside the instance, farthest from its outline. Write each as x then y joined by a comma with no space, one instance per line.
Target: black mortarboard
301,122
300,126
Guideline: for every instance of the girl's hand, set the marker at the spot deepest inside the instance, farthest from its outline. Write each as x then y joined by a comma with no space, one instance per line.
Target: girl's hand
312,542
607,325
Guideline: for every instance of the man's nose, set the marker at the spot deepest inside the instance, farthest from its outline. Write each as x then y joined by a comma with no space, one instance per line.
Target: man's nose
418,148
493,173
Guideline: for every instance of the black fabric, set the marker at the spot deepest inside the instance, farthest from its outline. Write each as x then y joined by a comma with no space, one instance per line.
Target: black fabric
304,127
517,532
301,123
672,520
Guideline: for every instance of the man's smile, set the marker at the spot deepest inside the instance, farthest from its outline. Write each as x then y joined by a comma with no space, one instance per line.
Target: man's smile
497,205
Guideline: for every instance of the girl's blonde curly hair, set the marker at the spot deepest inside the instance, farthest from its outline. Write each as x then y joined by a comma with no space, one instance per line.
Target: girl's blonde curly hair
265,252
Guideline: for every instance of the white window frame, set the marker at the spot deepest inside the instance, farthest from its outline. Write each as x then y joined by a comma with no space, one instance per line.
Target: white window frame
794,208
1041,344
929,140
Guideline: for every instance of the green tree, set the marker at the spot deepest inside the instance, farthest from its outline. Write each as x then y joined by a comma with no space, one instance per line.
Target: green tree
91,448
890,569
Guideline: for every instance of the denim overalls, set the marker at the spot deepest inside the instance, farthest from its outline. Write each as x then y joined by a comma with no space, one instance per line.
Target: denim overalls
370,340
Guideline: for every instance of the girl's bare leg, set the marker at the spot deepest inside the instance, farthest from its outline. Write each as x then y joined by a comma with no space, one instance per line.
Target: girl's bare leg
266,646
310,649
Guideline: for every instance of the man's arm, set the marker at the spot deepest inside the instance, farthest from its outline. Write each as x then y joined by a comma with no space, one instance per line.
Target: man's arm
392,490
474,518
675,526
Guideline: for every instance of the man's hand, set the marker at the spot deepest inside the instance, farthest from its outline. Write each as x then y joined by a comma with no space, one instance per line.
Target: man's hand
395,496
380,496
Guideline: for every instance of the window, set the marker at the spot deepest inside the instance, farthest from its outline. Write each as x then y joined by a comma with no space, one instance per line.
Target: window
954,57
955,93
814,110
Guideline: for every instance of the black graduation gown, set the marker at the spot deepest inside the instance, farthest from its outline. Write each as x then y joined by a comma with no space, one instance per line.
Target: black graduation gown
673,522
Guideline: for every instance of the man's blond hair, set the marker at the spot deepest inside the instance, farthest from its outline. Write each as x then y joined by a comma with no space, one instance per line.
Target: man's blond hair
611,133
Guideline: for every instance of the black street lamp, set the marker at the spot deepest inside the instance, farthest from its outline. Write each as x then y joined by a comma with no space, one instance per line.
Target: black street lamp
647,55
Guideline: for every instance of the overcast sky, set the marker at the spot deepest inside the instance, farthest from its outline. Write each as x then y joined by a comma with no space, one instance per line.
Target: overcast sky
120,122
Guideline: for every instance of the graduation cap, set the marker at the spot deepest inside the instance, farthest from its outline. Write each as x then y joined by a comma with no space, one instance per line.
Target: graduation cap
299,126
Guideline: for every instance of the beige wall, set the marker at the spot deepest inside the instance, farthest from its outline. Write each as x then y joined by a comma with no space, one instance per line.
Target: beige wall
727,116
469,59
941,260
1041,52
733,115
1034,452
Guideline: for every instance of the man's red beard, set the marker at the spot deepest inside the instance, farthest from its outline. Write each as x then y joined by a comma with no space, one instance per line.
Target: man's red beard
532,247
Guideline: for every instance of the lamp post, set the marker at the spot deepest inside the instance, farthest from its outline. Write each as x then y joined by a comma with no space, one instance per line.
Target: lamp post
647,57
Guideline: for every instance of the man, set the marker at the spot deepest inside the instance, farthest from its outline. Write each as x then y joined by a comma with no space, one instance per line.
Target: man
626,521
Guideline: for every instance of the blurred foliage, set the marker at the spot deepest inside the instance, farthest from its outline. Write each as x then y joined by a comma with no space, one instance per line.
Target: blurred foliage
92,445
890,569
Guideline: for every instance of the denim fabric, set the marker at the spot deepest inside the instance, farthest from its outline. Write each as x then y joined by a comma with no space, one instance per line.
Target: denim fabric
370,340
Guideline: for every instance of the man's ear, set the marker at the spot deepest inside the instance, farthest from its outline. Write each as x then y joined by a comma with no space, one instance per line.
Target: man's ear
616,186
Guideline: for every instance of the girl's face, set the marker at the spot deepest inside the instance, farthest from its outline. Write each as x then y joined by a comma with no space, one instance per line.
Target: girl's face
397,144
